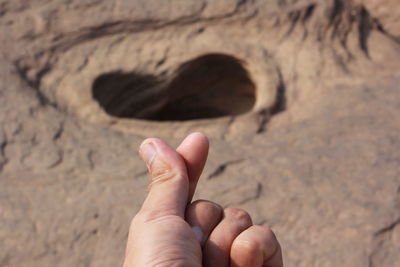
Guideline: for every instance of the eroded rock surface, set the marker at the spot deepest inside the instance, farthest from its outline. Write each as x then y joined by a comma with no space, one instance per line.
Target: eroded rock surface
312,150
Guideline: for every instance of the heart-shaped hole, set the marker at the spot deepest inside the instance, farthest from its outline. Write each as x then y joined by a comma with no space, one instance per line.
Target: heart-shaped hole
209,86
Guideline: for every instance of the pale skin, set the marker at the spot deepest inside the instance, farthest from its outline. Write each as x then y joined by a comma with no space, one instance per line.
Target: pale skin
171,230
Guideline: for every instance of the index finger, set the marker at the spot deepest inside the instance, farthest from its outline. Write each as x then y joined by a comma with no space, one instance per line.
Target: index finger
194,151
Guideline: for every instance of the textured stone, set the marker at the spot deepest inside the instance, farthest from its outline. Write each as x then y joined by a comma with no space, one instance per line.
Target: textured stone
315,156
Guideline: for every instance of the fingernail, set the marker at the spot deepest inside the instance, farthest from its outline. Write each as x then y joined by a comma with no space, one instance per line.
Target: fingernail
199,234
148,153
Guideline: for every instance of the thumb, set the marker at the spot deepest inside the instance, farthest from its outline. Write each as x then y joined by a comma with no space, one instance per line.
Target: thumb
169,186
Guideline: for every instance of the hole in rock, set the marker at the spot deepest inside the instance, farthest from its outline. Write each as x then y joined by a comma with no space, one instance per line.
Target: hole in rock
210,86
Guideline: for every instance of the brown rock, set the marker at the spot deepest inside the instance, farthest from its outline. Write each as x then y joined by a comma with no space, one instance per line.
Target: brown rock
300,100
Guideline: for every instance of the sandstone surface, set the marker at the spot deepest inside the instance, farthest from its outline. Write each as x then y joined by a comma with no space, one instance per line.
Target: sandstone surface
300,99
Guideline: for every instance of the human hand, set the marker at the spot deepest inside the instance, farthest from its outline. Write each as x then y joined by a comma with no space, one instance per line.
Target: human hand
169,230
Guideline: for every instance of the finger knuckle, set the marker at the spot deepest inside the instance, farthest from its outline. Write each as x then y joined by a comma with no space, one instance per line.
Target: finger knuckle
199,202
208,207
267,232
206,204
249,246
161,172
270,241
238,215
164,175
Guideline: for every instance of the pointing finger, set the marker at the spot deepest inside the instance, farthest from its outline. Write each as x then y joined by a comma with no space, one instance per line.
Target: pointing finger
194,151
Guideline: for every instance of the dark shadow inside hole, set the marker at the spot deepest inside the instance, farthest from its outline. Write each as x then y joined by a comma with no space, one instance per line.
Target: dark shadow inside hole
209,86
127,95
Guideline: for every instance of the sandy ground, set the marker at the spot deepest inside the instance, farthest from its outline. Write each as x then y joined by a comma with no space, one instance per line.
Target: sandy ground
300,100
